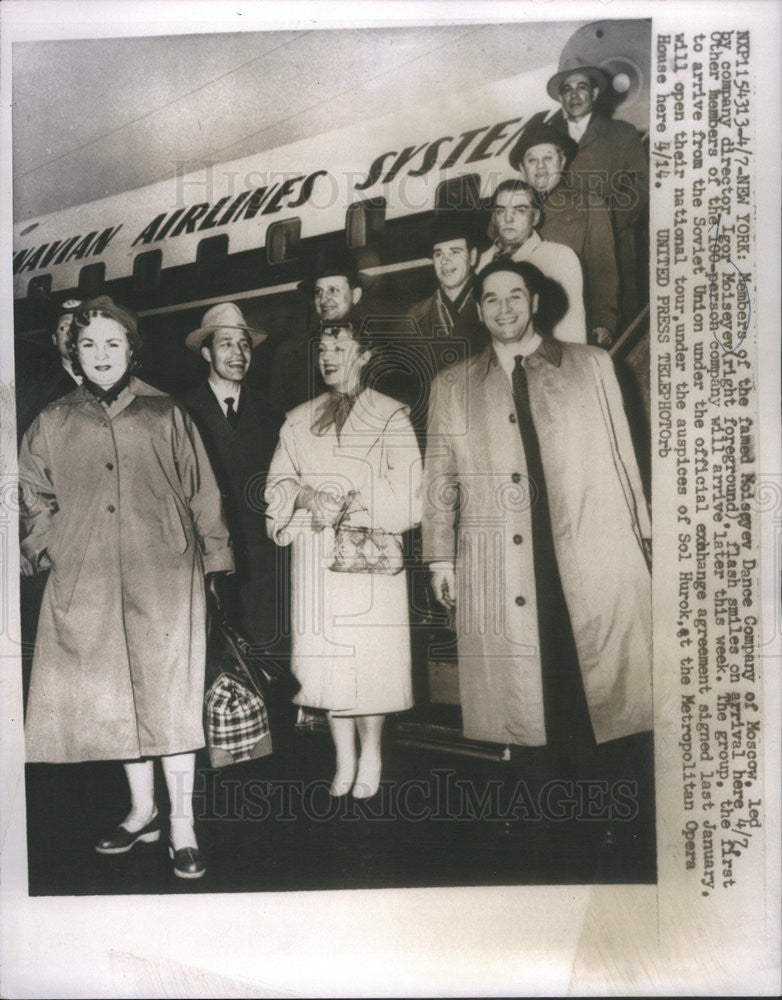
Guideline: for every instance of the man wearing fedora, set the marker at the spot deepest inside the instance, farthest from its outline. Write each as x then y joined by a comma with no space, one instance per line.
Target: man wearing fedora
336,290
575,216
240,432
610,159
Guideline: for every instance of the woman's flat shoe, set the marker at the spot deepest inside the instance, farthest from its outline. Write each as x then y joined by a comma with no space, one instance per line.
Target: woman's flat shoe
188,862
121,840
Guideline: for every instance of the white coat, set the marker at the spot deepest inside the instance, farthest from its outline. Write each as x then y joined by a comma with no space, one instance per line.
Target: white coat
351,635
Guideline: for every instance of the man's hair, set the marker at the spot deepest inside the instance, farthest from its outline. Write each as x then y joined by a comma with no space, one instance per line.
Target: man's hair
514,185
532,277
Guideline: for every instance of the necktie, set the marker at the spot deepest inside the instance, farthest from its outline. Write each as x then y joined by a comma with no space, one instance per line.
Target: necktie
231,414
563,696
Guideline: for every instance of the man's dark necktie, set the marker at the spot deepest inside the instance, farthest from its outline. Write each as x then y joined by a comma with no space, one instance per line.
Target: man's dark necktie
231,414
563,695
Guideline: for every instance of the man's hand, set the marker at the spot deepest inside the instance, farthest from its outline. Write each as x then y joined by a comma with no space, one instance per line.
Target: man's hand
603,337
443,587
30,567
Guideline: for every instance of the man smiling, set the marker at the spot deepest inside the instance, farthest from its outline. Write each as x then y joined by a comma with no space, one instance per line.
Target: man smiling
450,314
530,480
240,433
336,290
576,217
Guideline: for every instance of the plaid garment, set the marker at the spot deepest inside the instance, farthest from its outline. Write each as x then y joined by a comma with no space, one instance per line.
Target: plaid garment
237,724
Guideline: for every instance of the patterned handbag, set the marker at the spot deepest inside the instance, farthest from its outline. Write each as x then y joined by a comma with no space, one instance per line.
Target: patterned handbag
365,550
236,722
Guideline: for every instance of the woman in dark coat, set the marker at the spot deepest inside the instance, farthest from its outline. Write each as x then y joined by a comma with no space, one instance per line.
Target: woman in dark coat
119,499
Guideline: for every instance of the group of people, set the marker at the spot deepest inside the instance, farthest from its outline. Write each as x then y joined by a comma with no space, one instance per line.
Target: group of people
288,509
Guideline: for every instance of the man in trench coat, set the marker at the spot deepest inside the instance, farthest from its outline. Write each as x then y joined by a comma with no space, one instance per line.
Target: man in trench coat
535,526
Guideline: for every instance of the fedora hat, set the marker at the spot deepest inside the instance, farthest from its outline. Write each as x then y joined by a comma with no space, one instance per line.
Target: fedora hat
225,315
536,134
576,65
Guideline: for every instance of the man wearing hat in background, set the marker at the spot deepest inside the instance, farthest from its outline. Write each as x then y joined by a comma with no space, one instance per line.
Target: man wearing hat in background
336,290
610,159
55,378
447,321
451,313
576,217
240,432
515,211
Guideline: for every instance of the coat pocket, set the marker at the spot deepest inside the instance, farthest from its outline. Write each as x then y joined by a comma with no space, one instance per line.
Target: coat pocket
175,526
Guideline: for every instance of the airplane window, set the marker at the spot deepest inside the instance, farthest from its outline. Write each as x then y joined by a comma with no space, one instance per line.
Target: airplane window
146,270
365,222
39,290
282,241
210,255
91,278
458,193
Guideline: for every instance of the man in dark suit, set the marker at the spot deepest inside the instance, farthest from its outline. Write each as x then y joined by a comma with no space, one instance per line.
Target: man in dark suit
240,432
55,378
611,160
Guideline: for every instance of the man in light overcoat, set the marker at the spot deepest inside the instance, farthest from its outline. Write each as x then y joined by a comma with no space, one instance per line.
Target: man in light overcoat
536,527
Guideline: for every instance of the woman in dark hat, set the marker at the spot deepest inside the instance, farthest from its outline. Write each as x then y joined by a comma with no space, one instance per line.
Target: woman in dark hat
119,500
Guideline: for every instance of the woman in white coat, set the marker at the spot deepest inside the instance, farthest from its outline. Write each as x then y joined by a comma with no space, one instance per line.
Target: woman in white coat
349,455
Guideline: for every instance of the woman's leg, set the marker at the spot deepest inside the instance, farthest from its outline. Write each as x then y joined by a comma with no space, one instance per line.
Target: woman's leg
343,732
179,771
370,730
143,812
141,780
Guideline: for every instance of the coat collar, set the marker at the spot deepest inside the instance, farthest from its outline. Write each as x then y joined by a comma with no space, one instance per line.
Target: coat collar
549,350
82,396
597,127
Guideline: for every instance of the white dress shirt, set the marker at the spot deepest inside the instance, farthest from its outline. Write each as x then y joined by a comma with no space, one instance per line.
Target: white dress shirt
577,127
221,394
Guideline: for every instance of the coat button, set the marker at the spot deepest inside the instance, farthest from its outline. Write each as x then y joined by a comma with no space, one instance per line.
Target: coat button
517,539
516,477
110,508
520,601
512,417
109,466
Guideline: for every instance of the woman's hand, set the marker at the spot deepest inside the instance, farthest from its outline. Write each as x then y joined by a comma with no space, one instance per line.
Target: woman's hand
324,505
